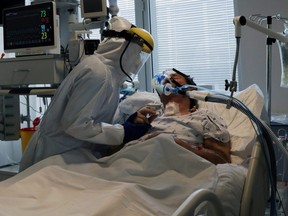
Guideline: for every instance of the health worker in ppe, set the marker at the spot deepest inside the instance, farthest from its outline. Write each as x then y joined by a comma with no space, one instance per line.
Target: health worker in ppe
82,109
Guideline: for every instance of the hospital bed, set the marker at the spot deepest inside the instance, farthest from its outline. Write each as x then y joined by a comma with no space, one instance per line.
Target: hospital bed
149,177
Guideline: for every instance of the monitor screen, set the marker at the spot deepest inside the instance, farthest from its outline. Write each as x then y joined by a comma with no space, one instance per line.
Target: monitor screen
30,29
9,4
93,8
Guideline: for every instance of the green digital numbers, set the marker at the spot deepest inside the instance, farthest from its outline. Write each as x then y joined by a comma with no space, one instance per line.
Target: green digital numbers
43,13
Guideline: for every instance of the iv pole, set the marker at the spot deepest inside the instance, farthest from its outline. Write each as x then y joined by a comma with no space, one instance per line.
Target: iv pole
272,37
269,43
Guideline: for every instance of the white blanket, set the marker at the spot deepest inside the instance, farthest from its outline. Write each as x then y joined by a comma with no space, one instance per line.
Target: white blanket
148,178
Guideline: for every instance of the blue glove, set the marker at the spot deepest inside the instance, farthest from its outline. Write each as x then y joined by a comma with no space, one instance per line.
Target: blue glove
134,131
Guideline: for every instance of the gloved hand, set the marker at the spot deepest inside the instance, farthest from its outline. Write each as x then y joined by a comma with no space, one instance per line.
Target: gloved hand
134,131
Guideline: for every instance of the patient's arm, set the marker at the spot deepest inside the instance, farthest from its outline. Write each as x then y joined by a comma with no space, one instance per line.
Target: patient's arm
212,150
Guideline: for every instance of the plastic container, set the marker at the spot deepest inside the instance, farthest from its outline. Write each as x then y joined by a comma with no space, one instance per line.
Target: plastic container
26,134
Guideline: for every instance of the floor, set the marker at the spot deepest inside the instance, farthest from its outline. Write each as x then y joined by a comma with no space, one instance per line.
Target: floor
282,188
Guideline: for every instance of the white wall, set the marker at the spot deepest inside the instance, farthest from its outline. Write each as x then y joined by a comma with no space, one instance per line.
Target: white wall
252,62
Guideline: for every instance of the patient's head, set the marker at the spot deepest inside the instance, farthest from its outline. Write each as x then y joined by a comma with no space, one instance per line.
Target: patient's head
179,102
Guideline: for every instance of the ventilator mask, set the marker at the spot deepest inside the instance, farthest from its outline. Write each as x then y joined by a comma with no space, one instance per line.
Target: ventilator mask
163,83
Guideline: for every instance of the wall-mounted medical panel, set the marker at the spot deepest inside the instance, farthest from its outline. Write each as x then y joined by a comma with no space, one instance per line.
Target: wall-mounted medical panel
41,69
9,117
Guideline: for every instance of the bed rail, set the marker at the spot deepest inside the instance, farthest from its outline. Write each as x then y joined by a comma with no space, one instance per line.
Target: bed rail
254,197
188,207
256,187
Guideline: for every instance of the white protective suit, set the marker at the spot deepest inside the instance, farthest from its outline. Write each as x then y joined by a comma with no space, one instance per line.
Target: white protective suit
86,99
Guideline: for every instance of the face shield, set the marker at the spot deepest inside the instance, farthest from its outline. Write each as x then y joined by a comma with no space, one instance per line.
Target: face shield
134,56
138,49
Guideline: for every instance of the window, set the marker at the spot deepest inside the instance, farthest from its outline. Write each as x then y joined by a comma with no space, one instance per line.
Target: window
195,37
127,10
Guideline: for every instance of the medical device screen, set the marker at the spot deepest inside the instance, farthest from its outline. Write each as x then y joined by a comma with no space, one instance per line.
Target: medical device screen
93,8
29,27
9,4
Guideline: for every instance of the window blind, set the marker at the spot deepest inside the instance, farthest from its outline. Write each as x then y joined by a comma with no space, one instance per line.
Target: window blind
126,10
195,37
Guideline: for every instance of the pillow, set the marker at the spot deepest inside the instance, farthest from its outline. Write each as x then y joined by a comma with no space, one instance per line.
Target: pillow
239,125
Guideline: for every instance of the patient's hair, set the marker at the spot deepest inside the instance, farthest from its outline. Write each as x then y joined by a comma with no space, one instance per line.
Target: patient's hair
189,80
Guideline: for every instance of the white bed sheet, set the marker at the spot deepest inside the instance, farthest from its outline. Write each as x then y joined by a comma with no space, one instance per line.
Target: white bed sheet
145,178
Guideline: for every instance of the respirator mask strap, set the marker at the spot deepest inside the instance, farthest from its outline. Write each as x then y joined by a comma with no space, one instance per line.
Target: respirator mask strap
123,34
191,81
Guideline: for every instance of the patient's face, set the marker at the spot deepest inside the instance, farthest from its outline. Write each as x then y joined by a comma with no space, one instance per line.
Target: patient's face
177,77
177,98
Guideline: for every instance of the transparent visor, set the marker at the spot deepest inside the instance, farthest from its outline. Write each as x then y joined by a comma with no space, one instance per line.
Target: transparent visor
134,56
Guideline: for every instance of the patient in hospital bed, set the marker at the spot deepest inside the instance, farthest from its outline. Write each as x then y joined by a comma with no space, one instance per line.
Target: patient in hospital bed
198,130
148,176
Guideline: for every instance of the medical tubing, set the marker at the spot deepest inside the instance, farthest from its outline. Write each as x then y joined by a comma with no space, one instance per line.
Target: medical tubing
220,98
168,89
264,133
262,129
185,88
279,144
275,139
